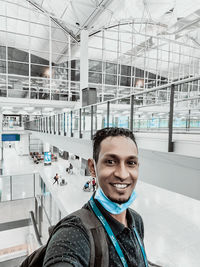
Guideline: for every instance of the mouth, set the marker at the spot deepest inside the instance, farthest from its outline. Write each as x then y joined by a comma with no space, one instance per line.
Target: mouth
120,186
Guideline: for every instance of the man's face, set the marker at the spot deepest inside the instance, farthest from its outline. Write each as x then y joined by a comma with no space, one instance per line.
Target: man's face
117,168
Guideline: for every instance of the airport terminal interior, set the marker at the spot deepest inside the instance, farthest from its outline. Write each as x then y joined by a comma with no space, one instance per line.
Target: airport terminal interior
71,67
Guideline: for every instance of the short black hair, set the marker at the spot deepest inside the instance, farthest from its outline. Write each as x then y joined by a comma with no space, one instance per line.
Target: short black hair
100,135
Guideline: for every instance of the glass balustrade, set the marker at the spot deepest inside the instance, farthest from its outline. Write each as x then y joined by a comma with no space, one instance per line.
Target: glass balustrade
75,123
101,119
145,111
68,124
62,124
20,186
86,122
56,124
5,188
120,113
48,204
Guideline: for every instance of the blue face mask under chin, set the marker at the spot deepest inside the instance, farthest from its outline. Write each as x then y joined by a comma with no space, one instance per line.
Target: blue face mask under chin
112,207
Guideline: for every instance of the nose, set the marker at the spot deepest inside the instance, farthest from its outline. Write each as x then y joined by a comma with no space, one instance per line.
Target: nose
121,172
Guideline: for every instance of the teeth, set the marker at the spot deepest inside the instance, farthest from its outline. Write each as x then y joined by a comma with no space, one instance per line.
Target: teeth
120,185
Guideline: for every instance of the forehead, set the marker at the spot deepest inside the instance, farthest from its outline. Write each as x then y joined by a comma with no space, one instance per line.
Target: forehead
118,145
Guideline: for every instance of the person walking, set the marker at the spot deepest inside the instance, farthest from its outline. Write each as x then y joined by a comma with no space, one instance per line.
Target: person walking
56,178
93,184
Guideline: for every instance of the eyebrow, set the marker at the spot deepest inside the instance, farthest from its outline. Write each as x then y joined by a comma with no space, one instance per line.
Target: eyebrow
116,156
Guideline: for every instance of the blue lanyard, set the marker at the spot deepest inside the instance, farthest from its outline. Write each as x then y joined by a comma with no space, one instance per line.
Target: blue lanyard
141,247
112,236
109,231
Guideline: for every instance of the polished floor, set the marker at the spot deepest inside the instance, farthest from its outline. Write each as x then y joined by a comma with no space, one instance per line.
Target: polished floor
172,221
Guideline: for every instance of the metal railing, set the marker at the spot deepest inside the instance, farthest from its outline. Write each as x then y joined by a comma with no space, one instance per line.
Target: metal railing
36,232
138,112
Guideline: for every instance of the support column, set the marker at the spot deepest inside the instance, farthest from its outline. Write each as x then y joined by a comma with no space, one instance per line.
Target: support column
188,121
84,74
59,124
50,125
69,69
54,124
132,112
171,115
83,62
91,128
50,60
80,118
108,113
71,125
64,127
47,128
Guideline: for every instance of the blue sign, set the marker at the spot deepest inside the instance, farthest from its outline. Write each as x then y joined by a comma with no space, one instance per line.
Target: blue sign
47,157
10,137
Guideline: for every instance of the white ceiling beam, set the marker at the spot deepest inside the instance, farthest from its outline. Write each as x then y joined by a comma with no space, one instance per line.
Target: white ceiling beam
95,14
54,19
183,24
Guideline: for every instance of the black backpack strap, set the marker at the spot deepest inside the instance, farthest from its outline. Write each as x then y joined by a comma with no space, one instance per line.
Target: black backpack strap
99,256
101,247
35,259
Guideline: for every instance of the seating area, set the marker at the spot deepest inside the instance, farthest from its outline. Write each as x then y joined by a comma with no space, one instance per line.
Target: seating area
38,157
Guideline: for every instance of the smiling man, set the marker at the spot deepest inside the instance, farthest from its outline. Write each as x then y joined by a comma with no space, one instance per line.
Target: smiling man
108,233
115,165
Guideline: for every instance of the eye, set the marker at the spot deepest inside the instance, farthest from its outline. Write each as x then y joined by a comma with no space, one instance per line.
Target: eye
110,162
132,163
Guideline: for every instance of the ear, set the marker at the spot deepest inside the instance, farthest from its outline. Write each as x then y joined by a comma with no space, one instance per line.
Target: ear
91,167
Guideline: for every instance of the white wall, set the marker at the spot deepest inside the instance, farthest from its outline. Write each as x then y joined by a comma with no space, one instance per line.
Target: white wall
36,145
22,146
79,147
46,147
184,144
177,173
189,146
152,141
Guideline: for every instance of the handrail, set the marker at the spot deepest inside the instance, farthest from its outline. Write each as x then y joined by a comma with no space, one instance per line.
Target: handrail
35,228
168,85
74,122
19,173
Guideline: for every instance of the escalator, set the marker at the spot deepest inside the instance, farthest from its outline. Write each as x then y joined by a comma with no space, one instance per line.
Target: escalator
22,242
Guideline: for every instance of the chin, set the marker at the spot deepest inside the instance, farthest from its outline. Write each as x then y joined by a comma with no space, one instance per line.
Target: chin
119,200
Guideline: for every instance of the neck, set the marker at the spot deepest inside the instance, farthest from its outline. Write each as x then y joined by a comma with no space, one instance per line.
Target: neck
121,218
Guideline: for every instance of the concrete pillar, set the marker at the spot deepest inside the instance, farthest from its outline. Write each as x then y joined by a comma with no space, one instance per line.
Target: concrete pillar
83,62
84,167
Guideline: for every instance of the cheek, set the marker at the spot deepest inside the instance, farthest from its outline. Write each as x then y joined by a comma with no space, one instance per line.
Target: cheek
134,174
105,174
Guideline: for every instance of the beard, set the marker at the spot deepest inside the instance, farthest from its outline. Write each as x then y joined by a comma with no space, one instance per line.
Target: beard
119,201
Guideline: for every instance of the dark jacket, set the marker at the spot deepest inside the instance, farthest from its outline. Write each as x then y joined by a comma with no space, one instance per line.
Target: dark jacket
70,245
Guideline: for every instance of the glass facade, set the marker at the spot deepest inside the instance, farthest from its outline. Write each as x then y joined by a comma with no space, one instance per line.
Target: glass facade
43,60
